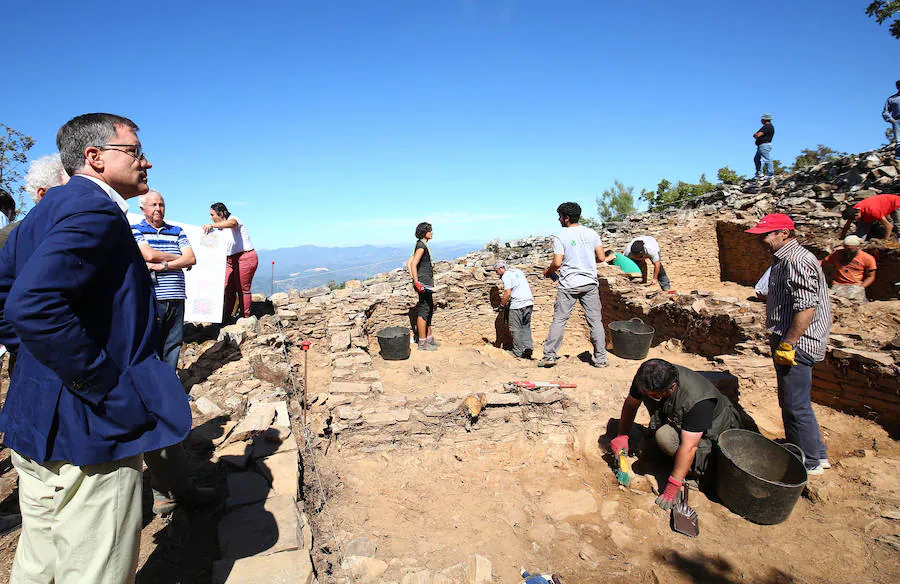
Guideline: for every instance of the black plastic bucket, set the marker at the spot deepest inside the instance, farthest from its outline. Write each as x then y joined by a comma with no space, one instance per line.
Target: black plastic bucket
757,478
631,338
394,343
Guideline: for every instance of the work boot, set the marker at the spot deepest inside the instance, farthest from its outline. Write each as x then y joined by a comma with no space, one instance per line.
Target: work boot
548,362
165,503
600,364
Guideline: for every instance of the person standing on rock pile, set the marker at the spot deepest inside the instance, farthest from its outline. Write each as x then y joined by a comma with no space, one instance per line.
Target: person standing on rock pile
763,138
518,297
576,251
798,316
891,115
89,394
645,248
687,414
853,270
422,273
871,217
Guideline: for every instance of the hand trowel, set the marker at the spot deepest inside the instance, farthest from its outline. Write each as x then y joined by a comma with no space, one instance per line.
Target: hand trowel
684,518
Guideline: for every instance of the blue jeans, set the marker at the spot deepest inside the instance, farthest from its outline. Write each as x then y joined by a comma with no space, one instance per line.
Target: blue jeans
171,330
794,398
764,156
897,140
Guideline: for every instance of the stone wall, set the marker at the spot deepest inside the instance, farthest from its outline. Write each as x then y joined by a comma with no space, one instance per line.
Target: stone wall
859,382
741,258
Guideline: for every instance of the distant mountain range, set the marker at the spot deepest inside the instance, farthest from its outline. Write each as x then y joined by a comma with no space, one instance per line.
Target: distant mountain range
307,266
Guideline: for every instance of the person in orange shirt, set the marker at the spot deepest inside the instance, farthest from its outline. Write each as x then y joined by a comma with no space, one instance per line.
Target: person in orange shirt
852,270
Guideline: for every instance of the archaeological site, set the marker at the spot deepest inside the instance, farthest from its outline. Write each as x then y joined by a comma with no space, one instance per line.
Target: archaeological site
337,466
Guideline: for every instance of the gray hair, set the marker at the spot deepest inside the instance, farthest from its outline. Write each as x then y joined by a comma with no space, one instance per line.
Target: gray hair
45,172
83,131
501,264
143,198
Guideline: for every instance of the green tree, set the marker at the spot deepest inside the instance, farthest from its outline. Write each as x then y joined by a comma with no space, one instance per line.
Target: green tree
778,167
729,177
13,146
591,223
669,196
884,10
811,157
616,201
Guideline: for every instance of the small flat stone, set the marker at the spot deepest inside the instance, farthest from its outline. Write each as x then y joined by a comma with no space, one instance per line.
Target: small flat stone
562,504
207,407
365,569
235,453
361,546
289,567
478,570
257,420
347,387
263,447
502,399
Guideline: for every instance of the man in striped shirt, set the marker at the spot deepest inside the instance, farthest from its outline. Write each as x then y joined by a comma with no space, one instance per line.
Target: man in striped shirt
798,315
167,252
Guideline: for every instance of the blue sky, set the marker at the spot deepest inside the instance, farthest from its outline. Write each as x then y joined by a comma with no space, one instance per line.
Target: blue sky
348,122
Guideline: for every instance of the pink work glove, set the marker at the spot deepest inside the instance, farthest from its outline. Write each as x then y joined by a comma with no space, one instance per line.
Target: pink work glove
618,444
668,497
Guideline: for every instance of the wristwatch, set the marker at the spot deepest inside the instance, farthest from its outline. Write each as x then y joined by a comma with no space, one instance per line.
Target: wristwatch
165,266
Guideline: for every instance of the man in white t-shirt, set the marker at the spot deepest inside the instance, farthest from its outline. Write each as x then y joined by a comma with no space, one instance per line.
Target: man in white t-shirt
576,251
518,297
644,248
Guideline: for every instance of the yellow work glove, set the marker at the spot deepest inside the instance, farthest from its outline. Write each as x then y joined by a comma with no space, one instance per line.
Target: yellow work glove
785,354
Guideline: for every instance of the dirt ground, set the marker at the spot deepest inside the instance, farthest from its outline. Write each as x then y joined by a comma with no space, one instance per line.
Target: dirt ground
548,501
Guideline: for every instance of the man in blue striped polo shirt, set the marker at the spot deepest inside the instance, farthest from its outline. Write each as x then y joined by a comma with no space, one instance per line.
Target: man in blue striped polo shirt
167,252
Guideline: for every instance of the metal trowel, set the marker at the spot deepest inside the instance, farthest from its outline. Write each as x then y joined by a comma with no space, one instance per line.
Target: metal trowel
684,518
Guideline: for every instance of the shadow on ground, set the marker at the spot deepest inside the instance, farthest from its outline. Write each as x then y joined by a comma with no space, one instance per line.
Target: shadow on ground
700,567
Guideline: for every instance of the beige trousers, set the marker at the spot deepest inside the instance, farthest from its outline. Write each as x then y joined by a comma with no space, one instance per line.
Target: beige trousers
79,523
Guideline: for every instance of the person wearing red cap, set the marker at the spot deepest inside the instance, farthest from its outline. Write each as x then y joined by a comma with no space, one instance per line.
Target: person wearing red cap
871,217
798,316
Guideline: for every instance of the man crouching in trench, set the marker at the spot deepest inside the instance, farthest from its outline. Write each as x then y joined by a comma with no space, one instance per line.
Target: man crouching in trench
687,414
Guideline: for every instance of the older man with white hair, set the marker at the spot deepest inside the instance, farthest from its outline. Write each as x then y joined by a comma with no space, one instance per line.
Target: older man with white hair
168,252
44,173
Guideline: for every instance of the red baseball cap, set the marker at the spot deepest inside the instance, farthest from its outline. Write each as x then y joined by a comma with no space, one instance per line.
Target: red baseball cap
772,222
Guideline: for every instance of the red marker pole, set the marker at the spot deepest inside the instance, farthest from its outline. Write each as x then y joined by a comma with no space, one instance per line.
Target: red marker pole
272,289
304,346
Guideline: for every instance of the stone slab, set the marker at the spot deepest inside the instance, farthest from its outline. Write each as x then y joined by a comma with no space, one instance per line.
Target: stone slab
260,529
246,487
236,454
347,387
257,420
263,446
283,472
291,567
864,356
562,504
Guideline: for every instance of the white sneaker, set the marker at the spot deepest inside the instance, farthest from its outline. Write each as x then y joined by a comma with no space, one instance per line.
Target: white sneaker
823,462
816,470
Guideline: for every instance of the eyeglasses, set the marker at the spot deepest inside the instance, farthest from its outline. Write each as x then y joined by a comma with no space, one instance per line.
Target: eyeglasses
137,154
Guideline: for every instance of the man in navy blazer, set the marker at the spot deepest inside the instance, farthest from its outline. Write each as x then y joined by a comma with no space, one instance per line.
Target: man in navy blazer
88,395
